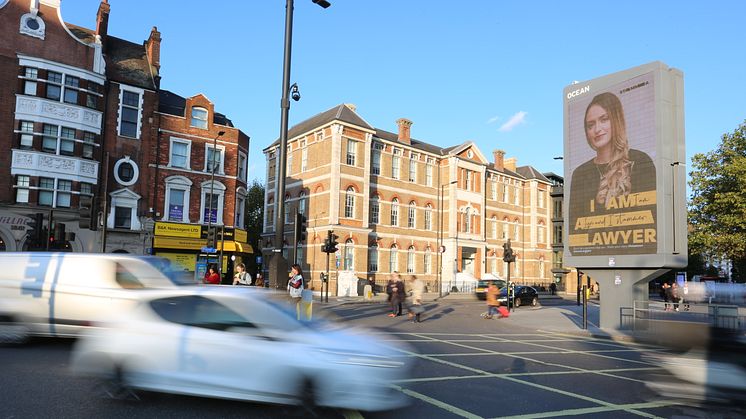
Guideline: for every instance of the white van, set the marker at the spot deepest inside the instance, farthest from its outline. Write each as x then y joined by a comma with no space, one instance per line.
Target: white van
61,294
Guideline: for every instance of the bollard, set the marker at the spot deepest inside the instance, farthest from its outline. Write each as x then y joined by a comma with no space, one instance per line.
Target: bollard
585,307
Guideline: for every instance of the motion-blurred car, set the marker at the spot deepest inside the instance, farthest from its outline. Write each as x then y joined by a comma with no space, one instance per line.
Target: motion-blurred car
237,343
62,294
524,295
481,289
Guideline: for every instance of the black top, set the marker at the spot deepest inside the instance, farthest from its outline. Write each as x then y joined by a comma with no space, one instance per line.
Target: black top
584,187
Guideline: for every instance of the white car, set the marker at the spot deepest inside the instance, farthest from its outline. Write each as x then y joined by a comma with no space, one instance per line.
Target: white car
237,343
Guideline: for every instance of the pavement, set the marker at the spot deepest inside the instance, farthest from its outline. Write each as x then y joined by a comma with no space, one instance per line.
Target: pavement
559,314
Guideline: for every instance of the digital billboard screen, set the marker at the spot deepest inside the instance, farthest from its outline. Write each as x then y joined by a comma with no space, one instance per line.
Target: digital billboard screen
610,158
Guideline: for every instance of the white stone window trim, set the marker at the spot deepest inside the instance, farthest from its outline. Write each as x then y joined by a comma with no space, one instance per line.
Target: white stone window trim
135,169
188,143
241,195
219,190
221,160
40,63
180,183
206,120
242,157
127,199
141,96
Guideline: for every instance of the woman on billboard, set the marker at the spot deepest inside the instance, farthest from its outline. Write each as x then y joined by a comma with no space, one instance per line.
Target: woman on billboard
616,171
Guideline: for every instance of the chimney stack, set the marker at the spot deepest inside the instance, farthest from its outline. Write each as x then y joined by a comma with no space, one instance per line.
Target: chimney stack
404,128
499,157
153,48
102,20
511,163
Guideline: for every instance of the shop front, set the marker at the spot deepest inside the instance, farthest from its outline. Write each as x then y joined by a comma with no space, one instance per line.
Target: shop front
185,244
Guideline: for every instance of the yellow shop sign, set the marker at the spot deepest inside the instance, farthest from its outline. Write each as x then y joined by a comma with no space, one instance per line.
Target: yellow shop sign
178,230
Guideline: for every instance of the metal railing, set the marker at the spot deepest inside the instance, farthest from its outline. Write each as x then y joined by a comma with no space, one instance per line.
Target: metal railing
652,315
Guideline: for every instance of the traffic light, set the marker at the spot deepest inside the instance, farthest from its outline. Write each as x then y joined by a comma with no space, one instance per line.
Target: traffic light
330,243
34,231
508,254
85,211
211,237
59,234
300,227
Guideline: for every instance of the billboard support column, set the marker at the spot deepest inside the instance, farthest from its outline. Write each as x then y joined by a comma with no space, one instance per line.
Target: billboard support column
620,288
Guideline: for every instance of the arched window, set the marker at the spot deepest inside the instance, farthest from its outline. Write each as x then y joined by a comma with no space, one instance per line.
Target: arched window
199,117
428,260
302,203
429,217
373,258
505,229
410,260
541,268
349,255
517,230
494,227
411,214
393,259
350,202
375,210
395,212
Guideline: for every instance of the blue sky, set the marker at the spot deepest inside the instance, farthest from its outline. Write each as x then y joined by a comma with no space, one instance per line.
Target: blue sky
486,71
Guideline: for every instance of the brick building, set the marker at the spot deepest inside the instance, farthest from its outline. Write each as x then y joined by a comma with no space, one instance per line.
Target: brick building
394,201
85,117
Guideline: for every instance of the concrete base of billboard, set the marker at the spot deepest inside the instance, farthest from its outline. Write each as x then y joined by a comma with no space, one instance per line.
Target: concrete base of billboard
620,288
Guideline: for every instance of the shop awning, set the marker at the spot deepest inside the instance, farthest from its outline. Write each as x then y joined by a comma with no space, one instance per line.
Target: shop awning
179,243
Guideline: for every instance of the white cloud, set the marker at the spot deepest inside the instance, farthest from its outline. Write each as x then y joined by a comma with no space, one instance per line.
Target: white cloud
493,119
515,120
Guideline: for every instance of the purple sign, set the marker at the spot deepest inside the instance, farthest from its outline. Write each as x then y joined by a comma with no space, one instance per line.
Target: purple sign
213,215
176,212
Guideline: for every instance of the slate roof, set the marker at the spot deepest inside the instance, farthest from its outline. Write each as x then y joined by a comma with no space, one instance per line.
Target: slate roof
86,35
127,62
390,136
173,104
530,173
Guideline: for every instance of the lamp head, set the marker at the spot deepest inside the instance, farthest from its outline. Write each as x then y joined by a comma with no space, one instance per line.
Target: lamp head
294,93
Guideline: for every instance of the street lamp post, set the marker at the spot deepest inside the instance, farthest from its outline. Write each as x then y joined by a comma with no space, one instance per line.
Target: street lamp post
278,263
440,236
212,192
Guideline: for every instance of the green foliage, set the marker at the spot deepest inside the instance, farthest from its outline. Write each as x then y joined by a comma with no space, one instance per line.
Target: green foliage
254,216
717,209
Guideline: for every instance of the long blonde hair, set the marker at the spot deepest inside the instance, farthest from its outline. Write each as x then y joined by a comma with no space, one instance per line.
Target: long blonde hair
616,181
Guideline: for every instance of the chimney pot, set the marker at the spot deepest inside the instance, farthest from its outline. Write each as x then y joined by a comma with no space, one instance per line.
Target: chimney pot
499,156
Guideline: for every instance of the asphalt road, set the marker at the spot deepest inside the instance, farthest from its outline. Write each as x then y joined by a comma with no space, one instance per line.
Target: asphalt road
464,366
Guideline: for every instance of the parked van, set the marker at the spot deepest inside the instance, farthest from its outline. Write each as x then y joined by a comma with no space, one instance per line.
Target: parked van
61,294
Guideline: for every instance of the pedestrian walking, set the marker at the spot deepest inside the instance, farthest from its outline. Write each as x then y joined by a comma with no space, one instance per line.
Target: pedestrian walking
553,288
395,289
675,296
666,295
241,277
417,291
491,297
211,276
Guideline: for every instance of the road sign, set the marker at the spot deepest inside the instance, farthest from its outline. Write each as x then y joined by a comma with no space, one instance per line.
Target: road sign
206,249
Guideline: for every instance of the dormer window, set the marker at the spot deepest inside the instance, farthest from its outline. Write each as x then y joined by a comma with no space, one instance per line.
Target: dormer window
199,118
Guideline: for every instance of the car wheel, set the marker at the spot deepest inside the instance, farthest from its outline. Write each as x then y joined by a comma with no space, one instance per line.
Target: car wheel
12,332
535,302
517,302
307,394
116,386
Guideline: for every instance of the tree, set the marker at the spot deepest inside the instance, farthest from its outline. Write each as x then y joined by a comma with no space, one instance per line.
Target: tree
254,218
717,209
